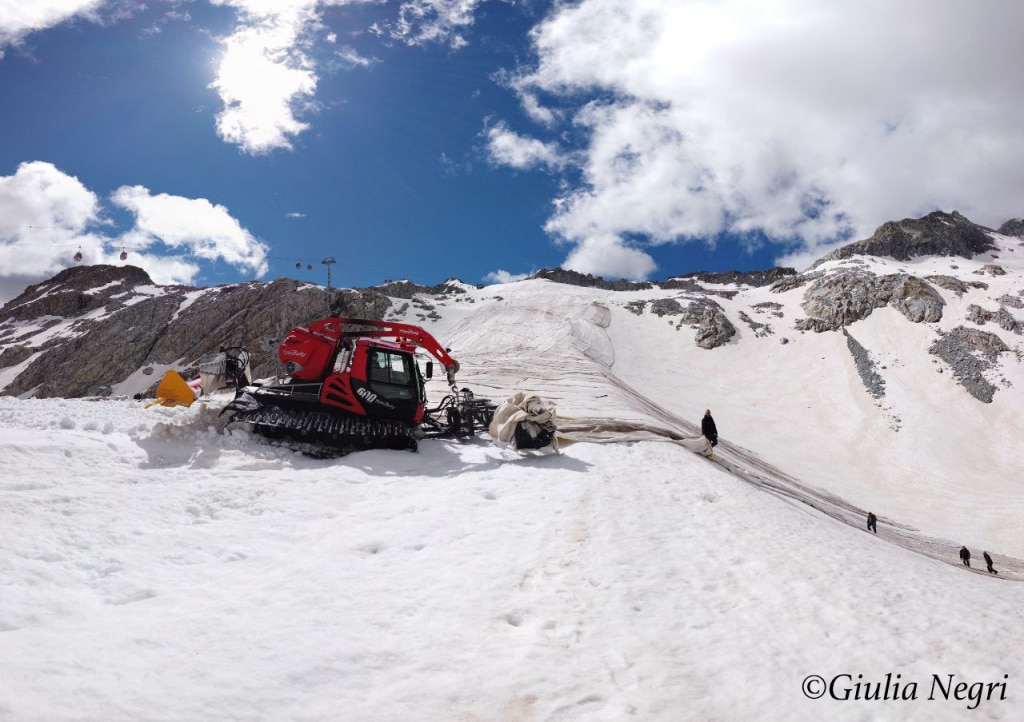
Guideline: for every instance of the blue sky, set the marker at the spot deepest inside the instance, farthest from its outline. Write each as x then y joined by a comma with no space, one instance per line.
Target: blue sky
226,140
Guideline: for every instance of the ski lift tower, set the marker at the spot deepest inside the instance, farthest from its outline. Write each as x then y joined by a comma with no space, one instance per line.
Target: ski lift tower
327,262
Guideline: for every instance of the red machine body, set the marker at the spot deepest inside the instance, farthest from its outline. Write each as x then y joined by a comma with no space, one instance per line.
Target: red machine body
355,384
365,367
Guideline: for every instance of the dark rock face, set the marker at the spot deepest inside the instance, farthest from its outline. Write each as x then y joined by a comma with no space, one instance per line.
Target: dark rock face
408,289
666,307
74,291
714,328
937,234
140,324
740,278
980,316
1014,227
790,282
574,278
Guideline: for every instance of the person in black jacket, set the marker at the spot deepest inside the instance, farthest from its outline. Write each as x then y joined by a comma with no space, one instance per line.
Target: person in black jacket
965,556
872,522
988,563
708,428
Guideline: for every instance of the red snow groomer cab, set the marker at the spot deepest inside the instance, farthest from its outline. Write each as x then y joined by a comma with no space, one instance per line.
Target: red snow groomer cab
356,384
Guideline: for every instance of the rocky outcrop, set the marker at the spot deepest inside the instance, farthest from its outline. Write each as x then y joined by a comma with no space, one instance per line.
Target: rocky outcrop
784,285
833,301
118,322
408,289
713,327
688,282
755,279
666,307
76,291
574,278
970,353
842,298
1011,301
955,285
1014,227
936,234
915,299
991,269
1005,320
707,318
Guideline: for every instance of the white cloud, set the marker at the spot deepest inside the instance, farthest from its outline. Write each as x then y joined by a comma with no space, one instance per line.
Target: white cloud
195,225
536,110
608,255
350,58
503,276
44,218
509,148
19,18
434,21
295,215
48,215
265,75
38,195
799,119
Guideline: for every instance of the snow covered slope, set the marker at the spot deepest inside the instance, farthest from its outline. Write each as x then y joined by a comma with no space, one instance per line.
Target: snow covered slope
925,455
154,569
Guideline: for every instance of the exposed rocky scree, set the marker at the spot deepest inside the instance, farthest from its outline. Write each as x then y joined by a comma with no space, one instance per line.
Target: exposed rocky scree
873,382
971,352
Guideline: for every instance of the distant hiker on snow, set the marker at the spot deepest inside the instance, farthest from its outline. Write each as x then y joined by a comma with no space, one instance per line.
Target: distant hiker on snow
708,428
965,556
988,563
872,523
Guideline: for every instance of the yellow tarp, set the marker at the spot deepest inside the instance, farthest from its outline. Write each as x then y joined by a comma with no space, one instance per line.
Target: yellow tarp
173,391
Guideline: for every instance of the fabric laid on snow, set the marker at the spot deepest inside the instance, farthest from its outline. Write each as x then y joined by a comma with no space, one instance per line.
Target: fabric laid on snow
602,431
530,412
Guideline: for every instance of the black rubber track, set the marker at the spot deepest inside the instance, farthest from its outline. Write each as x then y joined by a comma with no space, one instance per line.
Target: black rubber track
341,433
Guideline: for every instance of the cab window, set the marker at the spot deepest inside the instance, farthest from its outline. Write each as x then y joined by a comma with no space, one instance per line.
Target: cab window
387,367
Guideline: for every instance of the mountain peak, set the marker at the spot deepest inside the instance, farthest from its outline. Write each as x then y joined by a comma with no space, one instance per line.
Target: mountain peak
936,234
74,291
